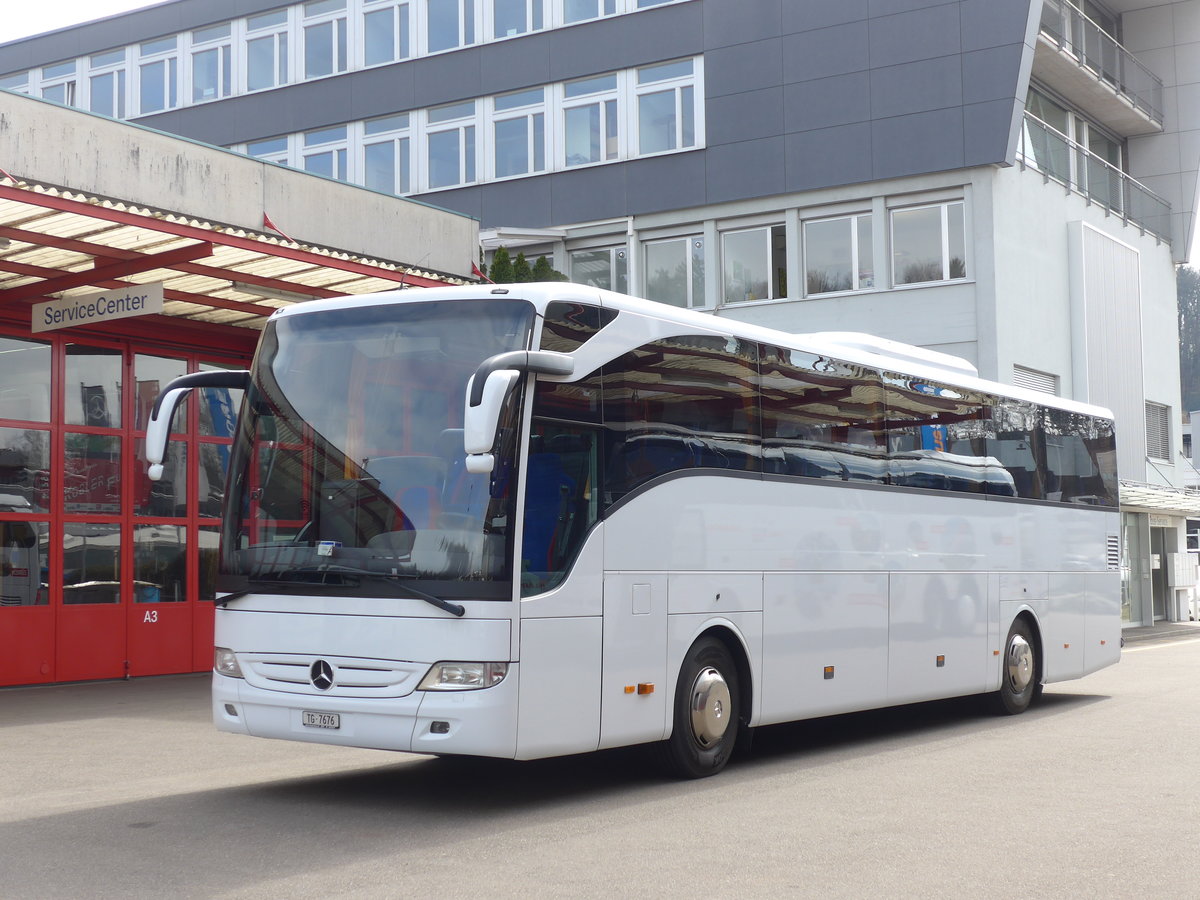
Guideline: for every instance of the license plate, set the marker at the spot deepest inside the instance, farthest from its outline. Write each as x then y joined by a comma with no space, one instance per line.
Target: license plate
321,719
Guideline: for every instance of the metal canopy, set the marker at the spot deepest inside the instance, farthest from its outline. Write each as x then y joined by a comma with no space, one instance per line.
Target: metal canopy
60,242
1137,496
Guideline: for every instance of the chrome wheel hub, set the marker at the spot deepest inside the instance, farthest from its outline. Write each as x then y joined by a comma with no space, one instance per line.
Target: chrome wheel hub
1019,663
710,707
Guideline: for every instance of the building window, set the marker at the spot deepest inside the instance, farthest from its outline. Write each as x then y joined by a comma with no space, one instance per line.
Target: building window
838,255
18,82
325,152
519,132
1158,431
451,157
58,83
590,120
385,32
158,76
386,163
271,150
212,63
928,244
666,107
324,37
513,17
1034,380
606,268
449,24
106,85
267,50
582,10
675,271
754,264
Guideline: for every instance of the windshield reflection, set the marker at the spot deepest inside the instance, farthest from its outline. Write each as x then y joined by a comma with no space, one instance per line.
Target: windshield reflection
348,472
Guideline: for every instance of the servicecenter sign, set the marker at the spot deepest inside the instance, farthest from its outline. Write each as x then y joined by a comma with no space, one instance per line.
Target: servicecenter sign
99,306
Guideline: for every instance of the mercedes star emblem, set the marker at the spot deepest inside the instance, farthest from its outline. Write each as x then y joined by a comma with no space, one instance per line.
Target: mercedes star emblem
321,675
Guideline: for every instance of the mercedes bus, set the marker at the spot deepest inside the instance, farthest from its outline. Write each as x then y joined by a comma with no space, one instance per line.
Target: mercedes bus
532,520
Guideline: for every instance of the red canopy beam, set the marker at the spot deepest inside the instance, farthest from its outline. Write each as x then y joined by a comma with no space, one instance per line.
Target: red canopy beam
106,272
100,250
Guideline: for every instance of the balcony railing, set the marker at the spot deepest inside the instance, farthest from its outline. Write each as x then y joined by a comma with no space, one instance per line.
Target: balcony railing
1095,49
1059,158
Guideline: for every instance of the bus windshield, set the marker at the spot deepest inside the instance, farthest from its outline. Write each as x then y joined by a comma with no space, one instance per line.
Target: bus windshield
348,473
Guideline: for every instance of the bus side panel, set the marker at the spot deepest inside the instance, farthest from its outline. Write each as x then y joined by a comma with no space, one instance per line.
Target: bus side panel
938,644
815,620
559,706
635,653
1102,625
1063,628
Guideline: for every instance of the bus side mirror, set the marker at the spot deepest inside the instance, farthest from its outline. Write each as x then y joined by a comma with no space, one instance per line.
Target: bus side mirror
487,390
158,429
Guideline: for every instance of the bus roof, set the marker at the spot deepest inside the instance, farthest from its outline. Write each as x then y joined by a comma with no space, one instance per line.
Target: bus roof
852,347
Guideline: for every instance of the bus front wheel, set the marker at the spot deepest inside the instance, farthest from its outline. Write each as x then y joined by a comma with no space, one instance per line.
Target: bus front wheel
706,712
1020,672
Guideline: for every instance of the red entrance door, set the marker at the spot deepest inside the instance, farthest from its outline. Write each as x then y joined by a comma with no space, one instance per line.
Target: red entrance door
103,573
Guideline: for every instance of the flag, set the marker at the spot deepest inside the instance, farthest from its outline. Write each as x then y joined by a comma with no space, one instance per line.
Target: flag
478,273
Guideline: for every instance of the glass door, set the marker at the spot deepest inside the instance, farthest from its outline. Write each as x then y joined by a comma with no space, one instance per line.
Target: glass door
27,621
91,626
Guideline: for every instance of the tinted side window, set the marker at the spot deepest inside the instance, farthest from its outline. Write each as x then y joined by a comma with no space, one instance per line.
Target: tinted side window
680,403
1019,444
563,479
934,433
821,418
1080,459
568,326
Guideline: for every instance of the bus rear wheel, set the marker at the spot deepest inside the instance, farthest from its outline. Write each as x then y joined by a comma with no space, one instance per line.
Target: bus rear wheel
1020,672
706,712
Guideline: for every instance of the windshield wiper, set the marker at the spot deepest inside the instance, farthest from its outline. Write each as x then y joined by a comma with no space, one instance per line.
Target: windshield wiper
454,609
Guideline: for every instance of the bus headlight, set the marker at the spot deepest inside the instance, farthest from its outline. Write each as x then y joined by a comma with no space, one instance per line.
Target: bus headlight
225,663
463,676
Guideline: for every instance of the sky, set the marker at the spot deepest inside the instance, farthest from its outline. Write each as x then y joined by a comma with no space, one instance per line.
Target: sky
22,18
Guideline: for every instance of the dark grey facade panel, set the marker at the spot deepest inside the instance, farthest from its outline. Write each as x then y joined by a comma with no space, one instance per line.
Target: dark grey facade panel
726,72
517,63
991,74
652,35
665,182
916,87
918,143
452,76
826,52
744,117
592,193
892,7
826,102
828,157
807,15
921,34
987,126
994,23
729,22
748,169
524,203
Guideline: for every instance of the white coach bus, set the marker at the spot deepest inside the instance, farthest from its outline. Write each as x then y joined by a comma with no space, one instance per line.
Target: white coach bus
532,520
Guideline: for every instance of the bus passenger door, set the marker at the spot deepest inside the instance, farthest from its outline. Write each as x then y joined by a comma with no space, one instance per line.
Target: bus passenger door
634,696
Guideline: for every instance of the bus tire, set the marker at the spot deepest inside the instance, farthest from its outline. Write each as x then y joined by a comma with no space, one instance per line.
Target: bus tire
706,712
1020,670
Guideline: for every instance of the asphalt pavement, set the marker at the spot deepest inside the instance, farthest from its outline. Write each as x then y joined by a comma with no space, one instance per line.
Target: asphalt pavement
124,789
